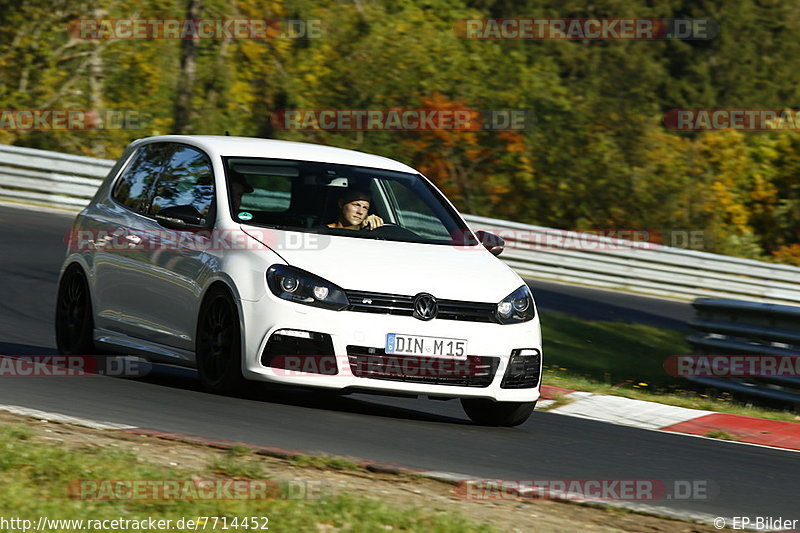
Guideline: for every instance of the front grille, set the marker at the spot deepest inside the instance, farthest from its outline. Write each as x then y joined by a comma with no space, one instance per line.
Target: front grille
471,311
522,371
376,302
295,354
374,363
396,304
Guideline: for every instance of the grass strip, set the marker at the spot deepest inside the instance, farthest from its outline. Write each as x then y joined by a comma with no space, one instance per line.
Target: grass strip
627,360
36,478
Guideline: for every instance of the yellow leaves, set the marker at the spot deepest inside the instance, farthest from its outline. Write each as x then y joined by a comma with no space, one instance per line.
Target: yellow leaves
763,190
788,254
252,50
515,142
241,93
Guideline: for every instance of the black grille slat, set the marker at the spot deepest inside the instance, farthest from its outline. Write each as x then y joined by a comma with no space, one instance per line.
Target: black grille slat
522,372
477,306
388,309
396,304
390,304
314,355
373,363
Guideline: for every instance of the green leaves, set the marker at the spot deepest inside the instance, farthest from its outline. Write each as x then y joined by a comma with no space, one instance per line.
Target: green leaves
597,155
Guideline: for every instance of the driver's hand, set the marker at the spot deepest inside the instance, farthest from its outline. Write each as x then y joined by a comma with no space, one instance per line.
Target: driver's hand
372,222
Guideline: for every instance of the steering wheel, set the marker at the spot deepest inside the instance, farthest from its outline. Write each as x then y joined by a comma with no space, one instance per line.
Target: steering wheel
393,231
366,228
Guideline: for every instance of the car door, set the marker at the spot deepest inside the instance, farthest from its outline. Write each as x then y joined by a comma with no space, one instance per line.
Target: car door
176,263
120,289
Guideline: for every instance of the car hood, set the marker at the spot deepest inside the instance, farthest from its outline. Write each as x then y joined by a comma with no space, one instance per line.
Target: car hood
447,272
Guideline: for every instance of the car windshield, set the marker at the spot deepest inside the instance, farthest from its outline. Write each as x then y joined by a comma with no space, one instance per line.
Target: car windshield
309,196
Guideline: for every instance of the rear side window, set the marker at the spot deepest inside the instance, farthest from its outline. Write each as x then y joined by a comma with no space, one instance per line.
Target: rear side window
187,179
271,193
133,187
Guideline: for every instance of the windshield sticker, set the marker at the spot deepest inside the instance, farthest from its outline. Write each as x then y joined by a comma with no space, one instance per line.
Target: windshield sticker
244,215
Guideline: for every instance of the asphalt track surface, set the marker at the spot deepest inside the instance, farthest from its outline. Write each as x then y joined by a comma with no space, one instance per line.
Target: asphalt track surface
743,480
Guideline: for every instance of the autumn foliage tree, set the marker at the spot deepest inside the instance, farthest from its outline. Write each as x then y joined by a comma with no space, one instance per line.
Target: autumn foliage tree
593,154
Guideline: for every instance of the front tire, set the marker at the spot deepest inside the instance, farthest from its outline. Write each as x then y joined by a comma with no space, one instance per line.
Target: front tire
491,413
74,320
219,344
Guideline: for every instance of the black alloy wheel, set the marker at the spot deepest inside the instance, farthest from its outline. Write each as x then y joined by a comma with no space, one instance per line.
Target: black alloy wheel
219,353
74,322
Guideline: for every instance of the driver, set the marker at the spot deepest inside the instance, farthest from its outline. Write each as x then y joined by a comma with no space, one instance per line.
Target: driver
353,211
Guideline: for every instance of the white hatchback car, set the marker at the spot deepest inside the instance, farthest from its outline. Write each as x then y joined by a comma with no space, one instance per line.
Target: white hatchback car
246,259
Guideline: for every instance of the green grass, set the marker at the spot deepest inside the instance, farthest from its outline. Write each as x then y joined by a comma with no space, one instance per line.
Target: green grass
559,400
627,360
722,435
334,463
238,462
35,478
610,352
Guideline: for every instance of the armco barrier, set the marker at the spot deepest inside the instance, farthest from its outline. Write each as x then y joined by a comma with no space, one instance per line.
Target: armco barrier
51,177
70,181
732,327
619,264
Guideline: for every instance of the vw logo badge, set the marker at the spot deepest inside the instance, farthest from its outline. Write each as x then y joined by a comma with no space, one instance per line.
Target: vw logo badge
425,306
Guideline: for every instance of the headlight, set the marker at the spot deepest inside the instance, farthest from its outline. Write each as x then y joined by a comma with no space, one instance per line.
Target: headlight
302,287
516,307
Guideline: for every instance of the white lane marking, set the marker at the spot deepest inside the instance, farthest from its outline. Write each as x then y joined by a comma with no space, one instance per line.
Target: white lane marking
57,417
449,477
543,404
56,210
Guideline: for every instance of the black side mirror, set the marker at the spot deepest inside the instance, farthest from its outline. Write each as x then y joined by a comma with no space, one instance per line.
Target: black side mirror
491,242
181,217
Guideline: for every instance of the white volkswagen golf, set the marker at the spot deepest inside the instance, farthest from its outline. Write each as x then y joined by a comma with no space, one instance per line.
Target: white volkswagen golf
298,264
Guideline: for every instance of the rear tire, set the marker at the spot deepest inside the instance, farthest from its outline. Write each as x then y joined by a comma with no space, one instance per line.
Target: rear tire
74,319
491,413
219,344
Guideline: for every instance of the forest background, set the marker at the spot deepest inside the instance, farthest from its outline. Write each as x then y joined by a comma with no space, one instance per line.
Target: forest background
594,154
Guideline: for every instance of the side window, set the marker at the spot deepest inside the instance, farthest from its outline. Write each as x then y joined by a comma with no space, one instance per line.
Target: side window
187,179
414,214
133,187
271,193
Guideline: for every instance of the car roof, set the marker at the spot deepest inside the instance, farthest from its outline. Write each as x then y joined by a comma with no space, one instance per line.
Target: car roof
228,146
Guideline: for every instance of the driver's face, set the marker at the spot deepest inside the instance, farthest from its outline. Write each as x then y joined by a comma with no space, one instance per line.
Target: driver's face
355,212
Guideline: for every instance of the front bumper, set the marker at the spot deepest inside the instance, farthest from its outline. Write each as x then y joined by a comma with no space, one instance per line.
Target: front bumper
358,340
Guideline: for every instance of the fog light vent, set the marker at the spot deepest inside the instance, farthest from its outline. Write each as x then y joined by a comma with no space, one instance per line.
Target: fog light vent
523,371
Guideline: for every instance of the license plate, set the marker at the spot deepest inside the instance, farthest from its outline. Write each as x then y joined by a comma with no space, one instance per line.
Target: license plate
400,344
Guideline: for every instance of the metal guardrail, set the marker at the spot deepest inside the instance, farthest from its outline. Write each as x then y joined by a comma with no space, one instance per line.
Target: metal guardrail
533,251
731,327
51,177
547,253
